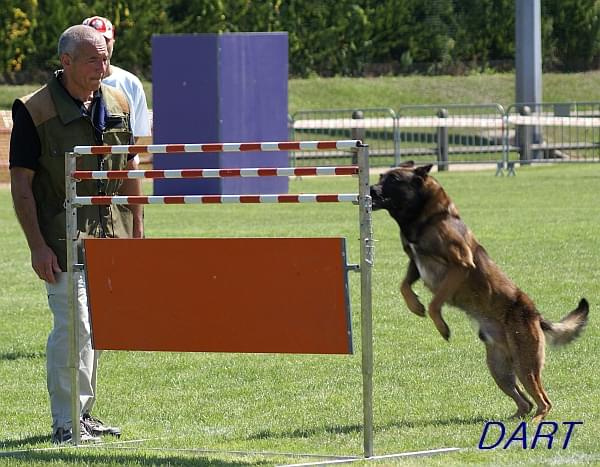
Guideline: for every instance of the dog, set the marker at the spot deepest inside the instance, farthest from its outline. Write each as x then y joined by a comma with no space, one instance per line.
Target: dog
445,254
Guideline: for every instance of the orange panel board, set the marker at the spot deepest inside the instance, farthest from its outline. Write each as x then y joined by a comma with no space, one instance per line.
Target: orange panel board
256,295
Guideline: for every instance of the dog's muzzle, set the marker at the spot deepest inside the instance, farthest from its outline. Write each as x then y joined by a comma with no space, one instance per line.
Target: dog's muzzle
378,200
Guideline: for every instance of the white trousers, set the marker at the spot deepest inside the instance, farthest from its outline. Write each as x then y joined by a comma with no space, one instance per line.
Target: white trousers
57,353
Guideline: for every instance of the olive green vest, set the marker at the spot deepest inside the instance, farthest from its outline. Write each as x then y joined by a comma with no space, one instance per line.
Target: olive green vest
61,126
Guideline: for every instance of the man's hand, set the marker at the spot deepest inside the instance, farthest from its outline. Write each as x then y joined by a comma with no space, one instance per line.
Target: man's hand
45,263
43,259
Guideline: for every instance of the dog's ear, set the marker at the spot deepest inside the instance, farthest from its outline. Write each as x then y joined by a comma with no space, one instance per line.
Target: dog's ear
423,170
407,164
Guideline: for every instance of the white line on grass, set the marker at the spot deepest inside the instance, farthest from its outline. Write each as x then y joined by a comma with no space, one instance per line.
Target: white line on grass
241,453
375,458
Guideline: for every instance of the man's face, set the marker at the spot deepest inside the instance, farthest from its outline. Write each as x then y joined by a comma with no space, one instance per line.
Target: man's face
87,66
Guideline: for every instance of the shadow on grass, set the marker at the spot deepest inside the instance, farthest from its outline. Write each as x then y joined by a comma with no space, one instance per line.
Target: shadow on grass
69,456
453,421
94,455
306,432
347,429
21,443
21,355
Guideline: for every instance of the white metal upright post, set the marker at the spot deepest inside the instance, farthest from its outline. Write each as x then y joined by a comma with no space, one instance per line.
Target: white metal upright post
366,321
72,260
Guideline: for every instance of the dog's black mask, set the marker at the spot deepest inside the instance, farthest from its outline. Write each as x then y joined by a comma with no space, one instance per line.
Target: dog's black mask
399,191
398,187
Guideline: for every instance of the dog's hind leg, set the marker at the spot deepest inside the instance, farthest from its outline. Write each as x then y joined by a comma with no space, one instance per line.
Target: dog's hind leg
446,290
527,349
410,297
500,365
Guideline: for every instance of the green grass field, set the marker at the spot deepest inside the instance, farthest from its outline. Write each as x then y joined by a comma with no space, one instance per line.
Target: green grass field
392,92
232,409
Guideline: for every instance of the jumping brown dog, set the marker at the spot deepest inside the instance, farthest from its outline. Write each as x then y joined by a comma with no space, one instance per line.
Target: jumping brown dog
456,268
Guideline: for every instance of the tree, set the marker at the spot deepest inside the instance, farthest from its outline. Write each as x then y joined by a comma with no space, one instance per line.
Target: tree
485,31
575,32
16,41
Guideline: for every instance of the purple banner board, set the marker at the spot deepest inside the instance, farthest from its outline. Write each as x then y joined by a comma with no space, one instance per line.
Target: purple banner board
220,88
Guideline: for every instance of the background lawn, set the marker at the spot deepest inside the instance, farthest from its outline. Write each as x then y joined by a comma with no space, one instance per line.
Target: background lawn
195,409
394,91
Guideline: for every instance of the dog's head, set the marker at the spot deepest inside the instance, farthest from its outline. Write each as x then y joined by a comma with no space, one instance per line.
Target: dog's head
401,191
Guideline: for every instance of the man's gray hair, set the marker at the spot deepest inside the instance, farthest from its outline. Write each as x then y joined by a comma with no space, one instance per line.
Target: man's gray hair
75,36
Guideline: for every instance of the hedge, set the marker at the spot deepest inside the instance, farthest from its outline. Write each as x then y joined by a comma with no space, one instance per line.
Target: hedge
326,37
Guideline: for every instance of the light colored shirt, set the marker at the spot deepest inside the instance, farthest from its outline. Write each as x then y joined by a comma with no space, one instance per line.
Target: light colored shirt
133,89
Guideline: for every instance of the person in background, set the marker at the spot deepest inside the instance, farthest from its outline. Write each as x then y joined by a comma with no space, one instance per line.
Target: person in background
73,108
124,80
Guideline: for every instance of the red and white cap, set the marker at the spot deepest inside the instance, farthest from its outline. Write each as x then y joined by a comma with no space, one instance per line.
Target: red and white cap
102,25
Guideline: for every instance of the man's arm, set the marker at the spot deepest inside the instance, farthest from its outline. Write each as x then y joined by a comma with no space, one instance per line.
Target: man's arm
142,117
141,127
133,187
43,259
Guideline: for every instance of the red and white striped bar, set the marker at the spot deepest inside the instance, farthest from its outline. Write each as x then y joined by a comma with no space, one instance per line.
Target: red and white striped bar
216,173
220,147
217,199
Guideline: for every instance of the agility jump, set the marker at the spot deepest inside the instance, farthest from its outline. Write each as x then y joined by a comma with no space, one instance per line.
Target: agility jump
120,249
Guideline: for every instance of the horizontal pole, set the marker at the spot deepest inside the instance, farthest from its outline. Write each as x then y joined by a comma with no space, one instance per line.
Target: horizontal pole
217,199
220,147
541,120
344,123
216,173
496,122
401,122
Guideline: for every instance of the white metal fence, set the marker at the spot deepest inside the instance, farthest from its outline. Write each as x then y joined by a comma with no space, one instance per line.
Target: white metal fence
458,134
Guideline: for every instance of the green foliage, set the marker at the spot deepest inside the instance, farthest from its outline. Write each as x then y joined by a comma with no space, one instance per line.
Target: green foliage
342,32
17,21
575,33
134,31
486,30
326,38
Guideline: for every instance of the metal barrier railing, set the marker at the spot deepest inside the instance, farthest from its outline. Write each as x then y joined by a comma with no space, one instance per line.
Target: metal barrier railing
378,125
459,133
553,132
452,133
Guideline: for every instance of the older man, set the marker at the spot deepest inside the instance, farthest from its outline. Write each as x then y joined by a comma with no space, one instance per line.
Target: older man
123,80
73,108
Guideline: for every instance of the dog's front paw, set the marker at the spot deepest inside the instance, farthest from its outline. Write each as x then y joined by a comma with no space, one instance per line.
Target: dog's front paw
417,308
436,316
412,300
413,304
444,331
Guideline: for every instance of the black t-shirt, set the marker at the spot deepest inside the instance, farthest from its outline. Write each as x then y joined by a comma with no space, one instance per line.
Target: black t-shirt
25,146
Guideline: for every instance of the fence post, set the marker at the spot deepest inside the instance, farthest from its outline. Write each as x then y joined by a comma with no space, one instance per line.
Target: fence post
72,292
505,145
292,137
442,140
366,319
525,133
357,133
397,155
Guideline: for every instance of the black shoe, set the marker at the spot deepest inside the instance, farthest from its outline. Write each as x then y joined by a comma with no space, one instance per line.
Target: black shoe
96,427
65,435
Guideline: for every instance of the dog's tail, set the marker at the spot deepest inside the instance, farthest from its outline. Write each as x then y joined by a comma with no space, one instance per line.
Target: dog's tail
568,328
